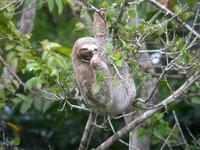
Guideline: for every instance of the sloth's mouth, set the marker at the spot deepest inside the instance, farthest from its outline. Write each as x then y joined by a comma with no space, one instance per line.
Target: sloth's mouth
84,60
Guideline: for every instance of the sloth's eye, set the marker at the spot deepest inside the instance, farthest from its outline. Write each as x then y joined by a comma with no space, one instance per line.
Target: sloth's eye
83,49
95,49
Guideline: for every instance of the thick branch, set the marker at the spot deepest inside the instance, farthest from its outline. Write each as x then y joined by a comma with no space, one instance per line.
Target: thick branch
79,10
179,20
149,113
100,29
27,19
87,132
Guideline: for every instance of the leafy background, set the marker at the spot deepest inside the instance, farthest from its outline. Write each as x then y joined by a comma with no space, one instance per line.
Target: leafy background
31,116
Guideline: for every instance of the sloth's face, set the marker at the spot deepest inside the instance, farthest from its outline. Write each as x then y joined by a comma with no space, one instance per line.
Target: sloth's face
86,51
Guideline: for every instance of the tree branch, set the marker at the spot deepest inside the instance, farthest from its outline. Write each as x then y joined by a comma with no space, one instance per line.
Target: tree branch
87,132
11,71
149,113
27,19
179,20
7,5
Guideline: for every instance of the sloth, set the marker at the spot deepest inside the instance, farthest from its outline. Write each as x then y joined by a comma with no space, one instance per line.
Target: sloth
116,93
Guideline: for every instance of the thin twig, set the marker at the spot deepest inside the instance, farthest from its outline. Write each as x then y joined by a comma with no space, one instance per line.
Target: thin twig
98,11
119,18
125,115
161,75
117,71
181,131
11,71
193,137
193,26
4,7
179,20
144,35
120,140
51,96
166,141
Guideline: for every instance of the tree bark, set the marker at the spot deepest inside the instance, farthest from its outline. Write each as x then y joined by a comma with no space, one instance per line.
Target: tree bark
87,132
135,142
27,19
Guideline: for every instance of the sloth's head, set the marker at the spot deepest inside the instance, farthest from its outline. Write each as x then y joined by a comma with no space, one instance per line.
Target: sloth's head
85,48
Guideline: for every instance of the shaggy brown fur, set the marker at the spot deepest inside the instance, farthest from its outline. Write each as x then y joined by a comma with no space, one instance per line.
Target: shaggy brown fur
111,99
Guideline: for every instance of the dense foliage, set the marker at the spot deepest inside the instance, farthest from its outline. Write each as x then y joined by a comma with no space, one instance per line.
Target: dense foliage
37,84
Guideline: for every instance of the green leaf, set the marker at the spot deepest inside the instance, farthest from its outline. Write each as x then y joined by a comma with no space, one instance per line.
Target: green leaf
140,28
16,100
108,48
112,13
177,9
46,105
11,55
15,141
54,72
119,1
59,4
9,46
21,96
50,45
105,4
24,107
26,100
117,56
141,132
96,88
190,2
196,100
187,58
132,13
14,63
33,66
45,55
159,116
2,104
27,2
99,76
54,46
197,84
116,82
157,133
34,82
119,63
60,119
38,104
21,49
51,5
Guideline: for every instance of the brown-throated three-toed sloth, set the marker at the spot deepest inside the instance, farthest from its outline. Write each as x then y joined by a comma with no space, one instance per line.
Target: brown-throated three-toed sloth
112,98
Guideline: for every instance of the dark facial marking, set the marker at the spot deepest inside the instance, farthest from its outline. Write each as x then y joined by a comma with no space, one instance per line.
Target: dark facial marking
85,54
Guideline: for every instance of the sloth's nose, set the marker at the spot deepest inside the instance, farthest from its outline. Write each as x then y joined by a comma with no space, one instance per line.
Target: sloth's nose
90,51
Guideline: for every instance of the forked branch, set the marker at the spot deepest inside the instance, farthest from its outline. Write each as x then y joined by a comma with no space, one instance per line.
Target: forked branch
87,132
149,113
